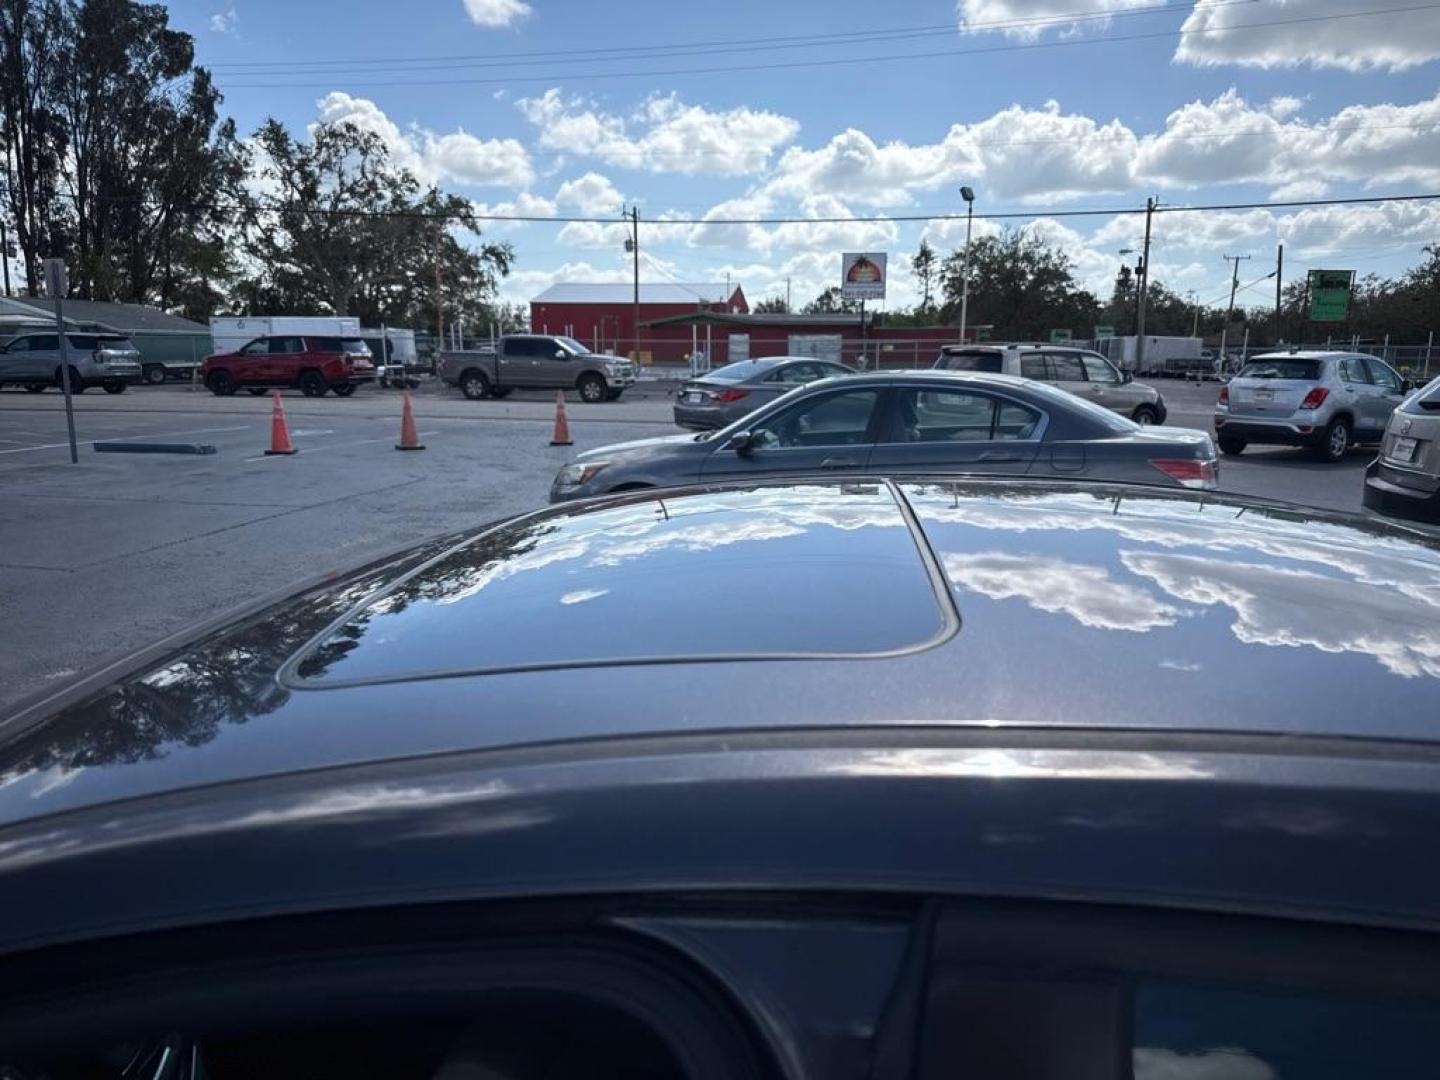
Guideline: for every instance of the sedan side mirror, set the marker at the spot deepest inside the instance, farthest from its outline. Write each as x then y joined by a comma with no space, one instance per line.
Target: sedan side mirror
1125,377
741,442
1406,385
560,354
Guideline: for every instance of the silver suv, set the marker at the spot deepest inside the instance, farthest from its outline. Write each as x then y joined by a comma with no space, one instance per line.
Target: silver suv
33,361
1325,401
1081,372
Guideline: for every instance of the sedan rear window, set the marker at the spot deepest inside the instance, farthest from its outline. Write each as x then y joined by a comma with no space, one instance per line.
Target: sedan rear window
650,581
737,372
1267,367
970,361
1425,401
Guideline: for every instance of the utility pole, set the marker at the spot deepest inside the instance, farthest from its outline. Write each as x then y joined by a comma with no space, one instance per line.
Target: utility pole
787,294
1195,323
633,246
968,195
1279,271
1142,287
1234,283
439,309
5,254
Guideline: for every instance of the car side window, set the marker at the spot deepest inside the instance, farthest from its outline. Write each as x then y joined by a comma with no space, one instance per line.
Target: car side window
1014,421
20,344
1066,367
798,374
286,346
326,344
45,342
1352,370
1381,374
948,416
1033,366
256,348
521,349
1098,370
837,419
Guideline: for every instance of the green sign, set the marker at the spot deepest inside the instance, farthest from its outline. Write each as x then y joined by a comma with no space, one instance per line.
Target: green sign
1060,335
1102,332
1330,295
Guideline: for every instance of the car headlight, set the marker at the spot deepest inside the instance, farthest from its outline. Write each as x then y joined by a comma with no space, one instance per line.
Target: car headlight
578,474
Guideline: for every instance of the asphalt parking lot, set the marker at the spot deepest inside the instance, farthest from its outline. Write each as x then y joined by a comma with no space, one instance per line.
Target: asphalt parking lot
104,557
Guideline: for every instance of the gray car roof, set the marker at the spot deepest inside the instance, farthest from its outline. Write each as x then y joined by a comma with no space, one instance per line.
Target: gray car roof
1074,607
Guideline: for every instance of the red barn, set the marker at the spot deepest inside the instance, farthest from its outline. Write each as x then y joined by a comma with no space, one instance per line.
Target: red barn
603,316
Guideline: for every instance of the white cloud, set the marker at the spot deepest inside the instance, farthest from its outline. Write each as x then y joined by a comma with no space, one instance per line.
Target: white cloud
664,135
833,236
591,194
1227,140
1086,593
458,156
223,22
523,205
1321,229
748,237
1387,40
496,13
1154,1063
1309,188
852,166
1030,18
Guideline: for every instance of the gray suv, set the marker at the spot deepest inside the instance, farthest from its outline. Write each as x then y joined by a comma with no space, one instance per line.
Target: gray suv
1325,401
105,360
1080,372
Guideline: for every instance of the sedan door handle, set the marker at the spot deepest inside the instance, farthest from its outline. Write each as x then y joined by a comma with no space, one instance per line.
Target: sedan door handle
998,455
839,463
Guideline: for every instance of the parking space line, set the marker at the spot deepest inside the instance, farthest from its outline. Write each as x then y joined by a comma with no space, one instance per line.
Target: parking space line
132,438
331,446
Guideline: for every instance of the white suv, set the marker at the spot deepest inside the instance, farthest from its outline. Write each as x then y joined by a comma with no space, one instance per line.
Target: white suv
1083,373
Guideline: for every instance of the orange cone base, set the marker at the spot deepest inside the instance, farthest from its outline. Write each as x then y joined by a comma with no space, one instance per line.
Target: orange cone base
281,453
416,446
562,442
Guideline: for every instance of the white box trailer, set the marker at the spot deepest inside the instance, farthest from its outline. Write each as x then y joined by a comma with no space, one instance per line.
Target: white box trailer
228,333
1163,355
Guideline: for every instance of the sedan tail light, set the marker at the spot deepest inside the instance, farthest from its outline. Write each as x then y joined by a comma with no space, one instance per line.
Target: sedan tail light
726,396
1315,398
1224,395
1189,472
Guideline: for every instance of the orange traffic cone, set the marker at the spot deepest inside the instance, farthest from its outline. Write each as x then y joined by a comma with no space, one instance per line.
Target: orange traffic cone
279,432
409,440
562,427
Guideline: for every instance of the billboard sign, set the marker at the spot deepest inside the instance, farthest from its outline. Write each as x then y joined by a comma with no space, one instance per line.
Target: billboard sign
1103,332
1060,335
1330,295
862,275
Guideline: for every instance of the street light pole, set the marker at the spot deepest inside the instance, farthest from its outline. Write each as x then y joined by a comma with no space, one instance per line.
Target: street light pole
969,196
1143,287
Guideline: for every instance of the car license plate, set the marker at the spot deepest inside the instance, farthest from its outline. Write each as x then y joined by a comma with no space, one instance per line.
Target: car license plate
1403,450
1264,395
695,397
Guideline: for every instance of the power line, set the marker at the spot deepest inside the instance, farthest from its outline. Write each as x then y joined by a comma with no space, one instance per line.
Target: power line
895,218
627,52
569,75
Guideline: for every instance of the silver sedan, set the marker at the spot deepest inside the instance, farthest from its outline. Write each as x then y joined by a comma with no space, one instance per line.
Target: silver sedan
735,390
891,423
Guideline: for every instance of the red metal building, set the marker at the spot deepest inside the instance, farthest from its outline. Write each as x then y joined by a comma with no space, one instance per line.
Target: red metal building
602,316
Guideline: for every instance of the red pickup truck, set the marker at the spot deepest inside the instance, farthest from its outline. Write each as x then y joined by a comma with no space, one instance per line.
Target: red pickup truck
313,364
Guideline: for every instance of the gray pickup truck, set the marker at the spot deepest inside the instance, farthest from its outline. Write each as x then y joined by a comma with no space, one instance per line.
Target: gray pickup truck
537,362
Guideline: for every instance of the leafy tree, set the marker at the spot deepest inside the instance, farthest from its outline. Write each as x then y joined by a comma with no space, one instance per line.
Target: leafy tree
772,305
925,264
830,302
350,233
1020,285
1120,311
34,148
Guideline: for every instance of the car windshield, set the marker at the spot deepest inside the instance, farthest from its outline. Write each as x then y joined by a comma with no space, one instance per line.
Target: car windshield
572,345
355,346
1281,367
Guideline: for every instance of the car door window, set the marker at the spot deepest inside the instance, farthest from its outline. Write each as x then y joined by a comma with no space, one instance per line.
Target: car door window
1352,370
20,344
45,342
1384,376
256,348
949,416
1099,370
837,419
520,349
286,346
1066,367
1033,366
797,374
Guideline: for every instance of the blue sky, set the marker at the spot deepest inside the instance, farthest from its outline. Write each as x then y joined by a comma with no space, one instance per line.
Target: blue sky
1043,106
